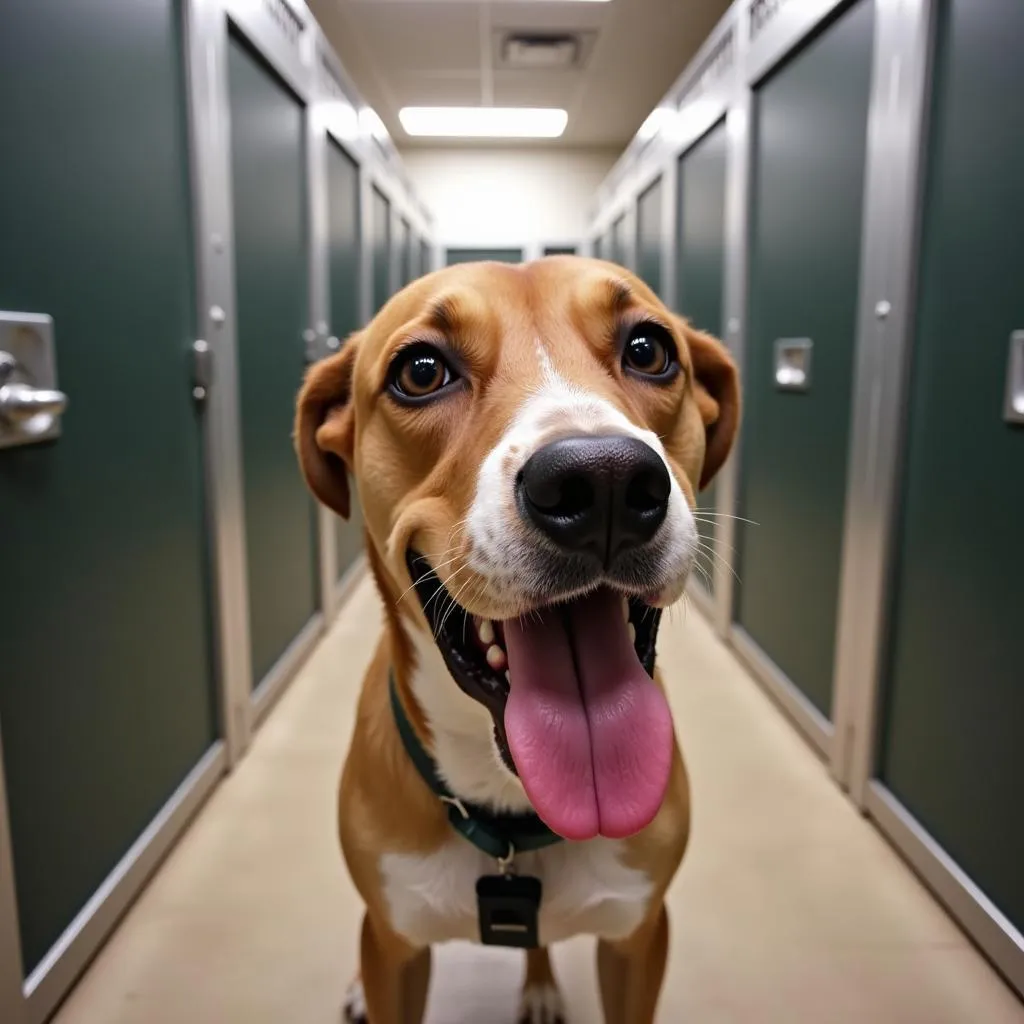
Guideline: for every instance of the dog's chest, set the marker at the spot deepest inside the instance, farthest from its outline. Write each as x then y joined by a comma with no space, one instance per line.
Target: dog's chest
586,890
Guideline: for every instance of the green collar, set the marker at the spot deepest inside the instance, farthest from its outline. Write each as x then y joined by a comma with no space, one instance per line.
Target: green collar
499,836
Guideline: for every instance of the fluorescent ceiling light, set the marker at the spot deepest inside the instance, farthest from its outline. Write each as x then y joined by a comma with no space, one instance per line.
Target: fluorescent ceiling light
484,122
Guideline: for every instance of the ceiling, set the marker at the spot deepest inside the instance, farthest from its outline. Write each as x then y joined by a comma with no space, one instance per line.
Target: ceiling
449,53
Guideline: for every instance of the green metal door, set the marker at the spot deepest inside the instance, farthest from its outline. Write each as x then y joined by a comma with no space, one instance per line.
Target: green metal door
405,253
700,274
380,218
106,697
453,256
618,242
649,234
343,239
952,746
810,141
268,179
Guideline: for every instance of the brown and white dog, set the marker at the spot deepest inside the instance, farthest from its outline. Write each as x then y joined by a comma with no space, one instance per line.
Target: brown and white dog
527,442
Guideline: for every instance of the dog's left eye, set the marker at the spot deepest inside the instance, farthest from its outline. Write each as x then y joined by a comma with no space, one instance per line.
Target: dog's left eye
649,350
419,372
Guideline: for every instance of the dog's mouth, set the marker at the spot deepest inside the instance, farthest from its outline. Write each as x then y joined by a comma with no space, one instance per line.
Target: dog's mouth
577,715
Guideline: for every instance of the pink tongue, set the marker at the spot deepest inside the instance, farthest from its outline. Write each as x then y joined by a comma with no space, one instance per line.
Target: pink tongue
589,731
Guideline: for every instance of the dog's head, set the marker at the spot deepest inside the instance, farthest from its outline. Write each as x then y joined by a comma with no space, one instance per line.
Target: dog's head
528,443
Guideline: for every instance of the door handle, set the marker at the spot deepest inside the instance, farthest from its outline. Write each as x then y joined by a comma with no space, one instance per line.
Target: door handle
26,410
20,403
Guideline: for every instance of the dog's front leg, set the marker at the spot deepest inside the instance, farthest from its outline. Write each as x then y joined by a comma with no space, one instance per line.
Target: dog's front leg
630,972
395,975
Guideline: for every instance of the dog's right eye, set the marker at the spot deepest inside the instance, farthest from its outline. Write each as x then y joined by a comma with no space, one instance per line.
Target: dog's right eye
419,372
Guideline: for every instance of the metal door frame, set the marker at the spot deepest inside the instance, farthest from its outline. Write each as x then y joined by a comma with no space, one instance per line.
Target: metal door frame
13,1006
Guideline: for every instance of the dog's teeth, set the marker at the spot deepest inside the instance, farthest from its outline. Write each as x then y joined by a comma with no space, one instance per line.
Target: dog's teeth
485,630
631,630
496,657
508,678
625,609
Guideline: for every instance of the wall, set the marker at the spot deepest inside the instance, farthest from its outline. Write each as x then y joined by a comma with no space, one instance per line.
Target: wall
506,196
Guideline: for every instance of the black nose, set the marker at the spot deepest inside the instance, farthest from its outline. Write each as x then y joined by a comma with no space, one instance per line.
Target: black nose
596,495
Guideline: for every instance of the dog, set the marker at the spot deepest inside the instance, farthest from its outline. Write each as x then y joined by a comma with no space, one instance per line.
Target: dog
527,442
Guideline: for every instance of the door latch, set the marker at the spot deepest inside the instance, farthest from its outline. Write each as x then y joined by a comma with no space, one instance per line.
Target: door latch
793,364
30,404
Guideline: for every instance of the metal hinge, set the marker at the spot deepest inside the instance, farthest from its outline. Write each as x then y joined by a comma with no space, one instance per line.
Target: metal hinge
310,352
202,369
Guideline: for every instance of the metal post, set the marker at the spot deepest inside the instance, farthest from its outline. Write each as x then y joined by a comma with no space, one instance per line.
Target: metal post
904,34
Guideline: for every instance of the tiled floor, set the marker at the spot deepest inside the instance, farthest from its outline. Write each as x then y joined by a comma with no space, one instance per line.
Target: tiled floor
789,908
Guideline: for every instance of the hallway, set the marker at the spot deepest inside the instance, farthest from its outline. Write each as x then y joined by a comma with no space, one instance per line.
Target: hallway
789,908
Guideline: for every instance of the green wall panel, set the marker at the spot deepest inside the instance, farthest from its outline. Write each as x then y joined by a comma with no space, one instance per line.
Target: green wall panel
953,737
618,242
405,253
380,222
106,697
268,175
649,234
700,273
343,240
810,141
453,256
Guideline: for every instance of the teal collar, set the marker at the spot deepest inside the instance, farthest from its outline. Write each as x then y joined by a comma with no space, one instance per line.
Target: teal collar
500,836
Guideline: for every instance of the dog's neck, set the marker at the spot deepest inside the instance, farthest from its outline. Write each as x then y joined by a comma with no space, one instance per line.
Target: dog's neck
462,733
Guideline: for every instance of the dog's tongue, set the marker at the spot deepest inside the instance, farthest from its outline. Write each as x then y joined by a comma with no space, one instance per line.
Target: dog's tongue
589,731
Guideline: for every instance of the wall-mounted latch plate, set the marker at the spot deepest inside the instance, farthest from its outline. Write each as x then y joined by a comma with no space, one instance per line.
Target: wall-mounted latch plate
30,404
793,364
1013,411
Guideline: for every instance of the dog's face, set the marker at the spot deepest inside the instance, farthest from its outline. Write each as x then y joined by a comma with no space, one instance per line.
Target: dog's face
528,443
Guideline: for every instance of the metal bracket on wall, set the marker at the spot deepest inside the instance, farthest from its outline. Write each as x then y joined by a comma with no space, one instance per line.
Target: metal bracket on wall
793,364
30,404
1014,410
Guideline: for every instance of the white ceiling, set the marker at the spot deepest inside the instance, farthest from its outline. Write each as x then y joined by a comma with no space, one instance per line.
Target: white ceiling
445,53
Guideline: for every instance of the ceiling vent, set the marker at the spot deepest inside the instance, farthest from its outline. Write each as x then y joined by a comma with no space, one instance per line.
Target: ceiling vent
522,51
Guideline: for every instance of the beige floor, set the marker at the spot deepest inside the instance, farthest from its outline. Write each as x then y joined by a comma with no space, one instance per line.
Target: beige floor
789,907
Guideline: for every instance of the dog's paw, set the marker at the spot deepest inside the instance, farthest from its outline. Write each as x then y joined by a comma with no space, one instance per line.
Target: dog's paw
541,1004
354,1010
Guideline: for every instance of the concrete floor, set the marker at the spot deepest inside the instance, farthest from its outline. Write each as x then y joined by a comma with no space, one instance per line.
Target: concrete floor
789,907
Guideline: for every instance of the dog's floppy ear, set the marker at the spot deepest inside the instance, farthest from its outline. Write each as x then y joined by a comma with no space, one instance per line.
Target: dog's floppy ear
717,389
325,427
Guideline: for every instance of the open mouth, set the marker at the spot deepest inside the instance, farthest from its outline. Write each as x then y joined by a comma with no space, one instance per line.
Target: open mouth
577,715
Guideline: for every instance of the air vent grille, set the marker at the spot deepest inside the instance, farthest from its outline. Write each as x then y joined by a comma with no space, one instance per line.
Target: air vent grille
761,14
286,20
330,77
537,52
718,63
